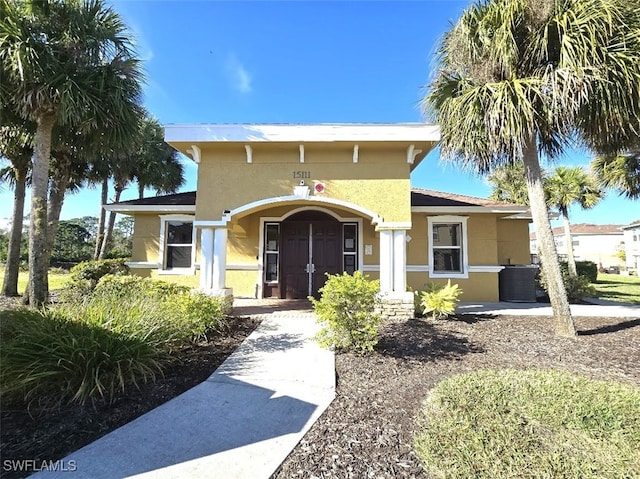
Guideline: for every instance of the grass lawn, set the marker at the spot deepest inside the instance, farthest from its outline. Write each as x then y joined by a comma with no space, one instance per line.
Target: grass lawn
57,279
616,287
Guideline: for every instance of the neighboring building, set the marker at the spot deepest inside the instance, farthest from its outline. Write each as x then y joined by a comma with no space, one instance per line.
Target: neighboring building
632,246
600,244
278,206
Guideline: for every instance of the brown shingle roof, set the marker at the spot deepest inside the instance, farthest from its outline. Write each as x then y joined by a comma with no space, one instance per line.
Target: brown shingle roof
422,197
185,199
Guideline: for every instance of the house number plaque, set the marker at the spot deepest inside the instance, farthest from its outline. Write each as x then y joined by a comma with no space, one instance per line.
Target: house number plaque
301,175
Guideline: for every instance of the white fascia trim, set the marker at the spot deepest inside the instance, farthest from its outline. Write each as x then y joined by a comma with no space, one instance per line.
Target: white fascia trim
339,132
424,268
468,209
242,266
141,264
150,208
397,225
375,219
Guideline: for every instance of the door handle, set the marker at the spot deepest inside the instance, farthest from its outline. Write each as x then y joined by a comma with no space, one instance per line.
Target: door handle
310,268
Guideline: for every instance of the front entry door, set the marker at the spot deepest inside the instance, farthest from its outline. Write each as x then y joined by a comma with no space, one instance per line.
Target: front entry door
310,248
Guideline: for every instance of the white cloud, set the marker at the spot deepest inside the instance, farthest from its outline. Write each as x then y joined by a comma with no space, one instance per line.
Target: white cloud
238,75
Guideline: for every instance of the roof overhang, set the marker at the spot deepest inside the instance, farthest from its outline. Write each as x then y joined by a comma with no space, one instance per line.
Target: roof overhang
515,212
128,208
299,133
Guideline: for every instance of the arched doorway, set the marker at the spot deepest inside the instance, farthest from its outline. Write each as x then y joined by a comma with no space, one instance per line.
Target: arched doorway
310,248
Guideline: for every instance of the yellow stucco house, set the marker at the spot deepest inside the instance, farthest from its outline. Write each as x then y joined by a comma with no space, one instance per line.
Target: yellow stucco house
278,206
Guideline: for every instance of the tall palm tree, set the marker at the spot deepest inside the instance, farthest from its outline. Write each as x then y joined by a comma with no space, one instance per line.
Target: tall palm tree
508,184
520,78
157,165
620,172
568,186
16,147
58,59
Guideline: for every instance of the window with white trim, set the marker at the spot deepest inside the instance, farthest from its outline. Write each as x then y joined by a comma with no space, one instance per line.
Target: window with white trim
448,246
177,242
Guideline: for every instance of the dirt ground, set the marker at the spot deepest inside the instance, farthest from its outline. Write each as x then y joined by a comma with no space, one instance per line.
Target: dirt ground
367,431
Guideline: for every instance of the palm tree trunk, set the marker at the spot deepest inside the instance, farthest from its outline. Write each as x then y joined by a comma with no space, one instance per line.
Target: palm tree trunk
571,260
546,246
140,190
104,195
12,268
57,191
38,285
106,243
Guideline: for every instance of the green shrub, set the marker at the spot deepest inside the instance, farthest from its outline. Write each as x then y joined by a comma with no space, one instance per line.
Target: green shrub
85,276
47,359
347,312
440,301
181,314
530,424
577,287
583,268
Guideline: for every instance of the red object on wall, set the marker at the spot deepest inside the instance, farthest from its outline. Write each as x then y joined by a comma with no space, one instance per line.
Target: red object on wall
319,187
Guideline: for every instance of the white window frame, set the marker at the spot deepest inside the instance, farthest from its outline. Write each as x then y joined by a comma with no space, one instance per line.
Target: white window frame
464,247
164,220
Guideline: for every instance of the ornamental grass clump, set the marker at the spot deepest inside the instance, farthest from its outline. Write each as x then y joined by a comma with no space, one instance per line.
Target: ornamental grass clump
530,424
440,301
123,332
47,359
347,312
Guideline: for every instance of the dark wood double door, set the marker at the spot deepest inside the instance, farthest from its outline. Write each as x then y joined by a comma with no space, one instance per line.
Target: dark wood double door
310,248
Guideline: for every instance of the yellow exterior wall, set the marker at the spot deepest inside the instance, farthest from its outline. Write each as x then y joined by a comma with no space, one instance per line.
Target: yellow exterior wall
482,239
512,248
478,287
226,181
146,237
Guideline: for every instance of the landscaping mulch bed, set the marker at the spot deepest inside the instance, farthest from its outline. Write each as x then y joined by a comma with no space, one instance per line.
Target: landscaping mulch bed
52,435
367,431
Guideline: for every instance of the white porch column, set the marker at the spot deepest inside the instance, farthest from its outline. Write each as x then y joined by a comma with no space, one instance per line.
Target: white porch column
399,261
219,260
206,258
386,261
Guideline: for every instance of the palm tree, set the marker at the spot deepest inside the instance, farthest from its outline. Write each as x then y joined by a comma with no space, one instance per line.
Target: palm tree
156,163
508,184
59,59
16,147
568,186
521,78
620,172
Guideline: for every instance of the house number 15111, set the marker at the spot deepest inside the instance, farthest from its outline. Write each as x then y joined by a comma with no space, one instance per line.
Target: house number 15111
300,175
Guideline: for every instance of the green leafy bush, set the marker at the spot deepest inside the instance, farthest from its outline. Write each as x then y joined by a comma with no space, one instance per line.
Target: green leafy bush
183,314
85,276
583,268
440,301
530,424
577,287
347,312
47,359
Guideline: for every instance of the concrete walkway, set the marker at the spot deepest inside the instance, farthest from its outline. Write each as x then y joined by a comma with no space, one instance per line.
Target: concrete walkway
241,422
607,309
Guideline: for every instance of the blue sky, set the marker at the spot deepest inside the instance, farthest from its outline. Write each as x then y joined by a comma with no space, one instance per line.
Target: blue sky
299,62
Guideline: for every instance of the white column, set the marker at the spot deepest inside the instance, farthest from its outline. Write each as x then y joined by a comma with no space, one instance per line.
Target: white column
219,260
386,261
206,258
399,261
